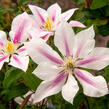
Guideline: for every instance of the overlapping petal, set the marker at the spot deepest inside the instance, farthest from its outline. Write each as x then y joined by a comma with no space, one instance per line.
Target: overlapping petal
64,38
41,51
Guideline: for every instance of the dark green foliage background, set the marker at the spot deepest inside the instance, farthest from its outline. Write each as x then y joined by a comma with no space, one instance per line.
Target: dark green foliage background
14,82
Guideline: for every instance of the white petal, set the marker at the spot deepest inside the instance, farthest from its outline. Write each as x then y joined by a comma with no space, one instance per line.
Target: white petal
64,38
19,100
67,14
20,62
94,86
3,38
70,89
48,88
97,59
76,24
41,52
20,28
46,71
54,11
39,13
84,42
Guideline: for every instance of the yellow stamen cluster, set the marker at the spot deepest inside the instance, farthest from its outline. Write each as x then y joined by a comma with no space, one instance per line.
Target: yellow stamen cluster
69,64
9,47
49,24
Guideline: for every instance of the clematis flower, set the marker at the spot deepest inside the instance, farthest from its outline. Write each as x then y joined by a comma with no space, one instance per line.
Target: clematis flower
13,50
59,73
49,20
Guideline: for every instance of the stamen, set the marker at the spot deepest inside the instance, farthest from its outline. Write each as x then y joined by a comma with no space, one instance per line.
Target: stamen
49,24
9,47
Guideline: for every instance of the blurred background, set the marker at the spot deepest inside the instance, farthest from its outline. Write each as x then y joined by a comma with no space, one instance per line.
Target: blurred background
90,12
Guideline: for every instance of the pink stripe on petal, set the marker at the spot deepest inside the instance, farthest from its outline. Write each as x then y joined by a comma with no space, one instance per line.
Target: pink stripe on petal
50,57
66,44
79,50
86,61
19,33
45,37
57,80
1,43
17,60
21,50
85,78
40,16
54,15
3,58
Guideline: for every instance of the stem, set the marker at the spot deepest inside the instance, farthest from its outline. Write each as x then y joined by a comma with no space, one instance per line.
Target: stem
87,102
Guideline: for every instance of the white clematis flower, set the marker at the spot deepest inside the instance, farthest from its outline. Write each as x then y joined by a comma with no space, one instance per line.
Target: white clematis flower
12,50
59,73
49,20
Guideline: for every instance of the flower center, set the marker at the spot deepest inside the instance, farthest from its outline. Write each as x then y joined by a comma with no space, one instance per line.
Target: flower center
9,47
49,24
69,63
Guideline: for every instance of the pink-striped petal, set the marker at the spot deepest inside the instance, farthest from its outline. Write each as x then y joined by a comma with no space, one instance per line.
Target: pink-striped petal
67,14
39,13
2,60
50,87
83,43
92,86
64,38
76,24
41,52
97,59
54,11
20,62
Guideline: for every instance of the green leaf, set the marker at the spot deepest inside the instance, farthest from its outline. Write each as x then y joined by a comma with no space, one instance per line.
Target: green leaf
31,81
107,73
98,4
11,76
15,91
2,106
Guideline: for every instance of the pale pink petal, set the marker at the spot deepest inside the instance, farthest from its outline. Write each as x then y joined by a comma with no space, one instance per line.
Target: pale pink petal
67,14
83,43
97,59
41,52
39,13
94,86
2,60
70,89
3,38
47,71
54,11
48,88
64,38
76,24
20,28
20,62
